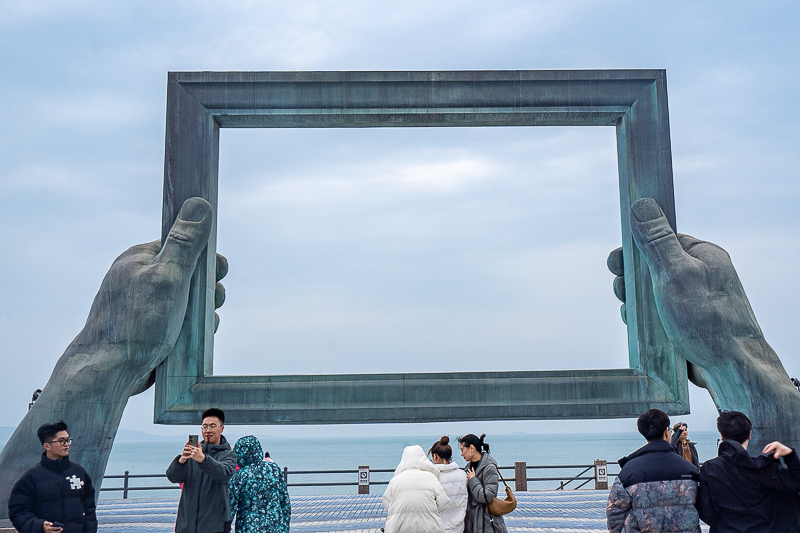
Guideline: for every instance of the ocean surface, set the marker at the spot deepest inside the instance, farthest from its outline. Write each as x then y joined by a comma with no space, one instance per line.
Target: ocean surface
153,457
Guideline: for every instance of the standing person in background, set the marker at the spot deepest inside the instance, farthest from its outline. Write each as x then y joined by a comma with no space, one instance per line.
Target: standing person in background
414,498
482,476
683,446
454,481
205,471
655,492
744,494
259,498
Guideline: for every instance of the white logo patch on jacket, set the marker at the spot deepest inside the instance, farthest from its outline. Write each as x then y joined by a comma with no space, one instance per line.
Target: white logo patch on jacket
75,482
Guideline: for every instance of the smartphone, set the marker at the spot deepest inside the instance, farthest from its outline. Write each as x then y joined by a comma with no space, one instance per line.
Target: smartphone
193,440
58,524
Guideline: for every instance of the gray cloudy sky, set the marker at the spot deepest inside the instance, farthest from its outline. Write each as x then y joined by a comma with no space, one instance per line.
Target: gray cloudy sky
389,250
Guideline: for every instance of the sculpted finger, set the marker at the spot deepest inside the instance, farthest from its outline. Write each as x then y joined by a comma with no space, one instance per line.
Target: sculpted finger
619,288
219,295
222,267
614,262
655,238
189,234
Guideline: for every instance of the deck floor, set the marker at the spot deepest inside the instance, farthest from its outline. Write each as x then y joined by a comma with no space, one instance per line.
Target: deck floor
581,511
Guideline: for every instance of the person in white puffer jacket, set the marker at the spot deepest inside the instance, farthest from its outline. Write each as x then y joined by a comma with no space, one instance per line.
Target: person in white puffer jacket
414,497
454,481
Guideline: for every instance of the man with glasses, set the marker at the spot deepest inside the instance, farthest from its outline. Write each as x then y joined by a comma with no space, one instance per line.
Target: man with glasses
56,495
205,471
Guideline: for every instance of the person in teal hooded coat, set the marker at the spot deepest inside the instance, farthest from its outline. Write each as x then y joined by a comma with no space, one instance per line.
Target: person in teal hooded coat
259,499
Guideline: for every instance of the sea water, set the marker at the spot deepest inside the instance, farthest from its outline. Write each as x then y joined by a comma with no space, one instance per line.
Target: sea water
383,453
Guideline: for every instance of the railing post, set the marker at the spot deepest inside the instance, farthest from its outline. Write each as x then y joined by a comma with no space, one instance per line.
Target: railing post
600,474
520,476
125,486
363,479
286,475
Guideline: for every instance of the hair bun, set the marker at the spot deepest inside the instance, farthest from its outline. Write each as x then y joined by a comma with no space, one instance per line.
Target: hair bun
445,440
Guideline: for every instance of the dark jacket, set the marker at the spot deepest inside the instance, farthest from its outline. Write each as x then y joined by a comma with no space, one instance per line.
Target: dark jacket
204,505
740,493
676,437
53,491
259,499
655,492
482,489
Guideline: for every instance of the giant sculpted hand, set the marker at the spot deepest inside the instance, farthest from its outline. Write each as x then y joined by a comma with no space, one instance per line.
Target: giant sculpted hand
708,319
133,324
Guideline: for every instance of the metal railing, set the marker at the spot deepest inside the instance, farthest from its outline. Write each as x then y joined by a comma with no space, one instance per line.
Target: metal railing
587,473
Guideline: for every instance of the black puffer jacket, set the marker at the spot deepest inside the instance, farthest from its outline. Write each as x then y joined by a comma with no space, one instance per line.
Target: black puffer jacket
53,491
739,493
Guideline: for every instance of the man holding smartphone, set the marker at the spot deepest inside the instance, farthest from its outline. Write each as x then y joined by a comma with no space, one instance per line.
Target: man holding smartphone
55,496
204,470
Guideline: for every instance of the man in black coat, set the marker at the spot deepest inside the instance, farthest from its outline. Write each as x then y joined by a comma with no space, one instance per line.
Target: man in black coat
742,494
56,495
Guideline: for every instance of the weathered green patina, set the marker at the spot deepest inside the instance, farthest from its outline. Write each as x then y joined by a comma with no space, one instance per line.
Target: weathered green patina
634,102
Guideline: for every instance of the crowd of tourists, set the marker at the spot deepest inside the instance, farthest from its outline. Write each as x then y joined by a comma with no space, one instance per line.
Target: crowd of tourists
661,487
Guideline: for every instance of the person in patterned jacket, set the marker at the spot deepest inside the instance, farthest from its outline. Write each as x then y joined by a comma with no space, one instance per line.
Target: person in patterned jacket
656,489
259,499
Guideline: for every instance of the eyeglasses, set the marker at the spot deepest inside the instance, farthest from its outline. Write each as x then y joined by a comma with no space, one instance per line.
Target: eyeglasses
62,442
212,427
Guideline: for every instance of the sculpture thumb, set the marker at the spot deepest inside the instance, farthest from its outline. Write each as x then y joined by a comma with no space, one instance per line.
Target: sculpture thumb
188,235
655,237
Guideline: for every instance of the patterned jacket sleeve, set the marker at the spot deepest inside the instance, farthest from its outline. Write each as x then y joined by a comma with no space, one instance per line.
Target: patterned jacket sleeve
618,507
234,490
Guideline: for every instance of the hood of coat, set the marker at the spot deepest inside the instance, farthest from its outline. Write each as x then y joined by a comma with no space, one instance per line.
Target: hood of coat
414,458
449,467
248,451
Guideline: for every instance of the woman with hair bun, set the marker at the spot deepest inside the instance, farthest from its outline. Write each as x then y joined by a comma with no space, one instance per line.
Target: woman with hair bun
482,476
454,481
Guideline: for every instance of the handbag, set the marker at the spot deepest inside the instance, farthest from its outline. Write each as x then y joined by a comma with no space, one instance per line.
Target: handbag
499,507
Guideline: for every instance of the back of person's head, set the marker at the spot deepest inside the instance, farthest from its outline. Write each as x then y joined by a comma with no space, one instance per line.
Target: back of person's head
46,432
734,425
442,448
219,413
472,440
652,424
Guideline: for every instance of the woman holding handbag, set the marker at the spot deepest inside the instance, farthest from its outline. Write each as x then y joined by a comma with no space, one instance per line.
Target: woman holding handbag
482,486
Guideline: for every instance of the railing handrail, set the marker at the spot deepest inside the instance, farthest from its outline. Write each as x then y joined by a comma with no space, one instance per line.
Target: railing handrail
564,480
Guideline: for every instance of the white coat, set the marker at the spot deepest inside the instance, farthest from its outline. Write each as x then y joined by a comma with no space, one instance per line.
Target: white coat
454,481
414,497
